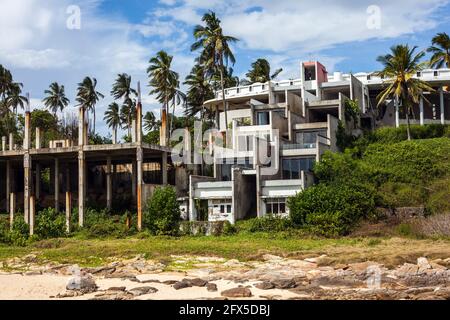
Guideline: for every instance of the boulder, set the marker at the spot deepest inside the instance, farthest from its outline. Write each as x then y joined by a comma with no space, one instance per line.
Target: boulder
211,287
181,285
423,264
265,285
83,283
284,283
139,291
239,292
197,282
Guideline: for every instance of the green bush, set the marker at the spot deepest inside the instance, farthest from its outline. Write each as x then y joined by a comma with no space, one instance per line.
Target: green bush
229,229
331,209
268,223
50,224
20,231
163,212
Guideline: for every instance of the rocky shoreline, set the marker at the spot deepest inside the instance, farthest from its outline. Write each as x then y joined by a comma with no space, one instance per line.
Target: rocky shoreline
216,278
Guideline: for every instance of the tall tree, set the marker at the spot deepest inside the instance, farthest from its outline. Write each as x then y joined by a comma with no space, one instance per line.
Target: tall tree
122,90
10,98
216,51
56,98
399,68
112,118
441,51
88,96
15,98
127,115
261,72
199,90
150,122
163,80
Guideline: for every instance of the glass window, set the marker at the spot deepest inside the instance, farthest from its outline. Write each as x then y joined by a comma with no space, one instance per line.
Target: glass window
292,168
263,118
228,208
276,206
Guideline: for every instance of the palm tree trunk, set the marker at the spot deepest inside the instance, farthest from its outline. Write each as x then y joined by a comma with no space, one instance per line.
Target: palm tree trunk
94,121
408,129
222,84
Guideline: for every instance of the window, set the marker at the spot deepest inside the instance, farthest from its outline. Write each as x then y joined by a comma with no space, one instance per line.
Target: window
276,206
308,139
369,77
245,143
228,164
436,73
263,118
419,74
292,168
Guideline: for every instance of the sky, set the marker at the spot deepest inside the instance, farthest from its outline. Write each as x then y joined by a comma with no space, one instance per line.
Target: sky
42,41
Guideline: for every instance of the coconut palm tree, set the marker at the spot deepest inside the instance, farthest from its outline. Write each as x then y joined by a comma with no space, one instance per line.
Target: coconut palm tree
128,114
56,98
122,90
112,118
216,51
441,51
150,122
178,97
163,80
15,98
88,96
399,68
260,72
198,92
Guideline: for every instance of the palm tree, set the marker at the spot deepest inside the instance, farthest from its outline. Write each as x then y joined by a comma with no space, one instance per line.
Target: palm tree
198,92
10,98
150,122
178,97
56,98
441,51
112,118
122,90
163,80
15,98
400,67
88,96
128,114
260,72
216,51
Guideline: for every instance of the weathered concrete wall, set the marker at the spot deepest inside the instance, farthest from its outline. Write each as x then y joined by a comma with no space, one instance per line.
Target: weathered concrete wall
244,195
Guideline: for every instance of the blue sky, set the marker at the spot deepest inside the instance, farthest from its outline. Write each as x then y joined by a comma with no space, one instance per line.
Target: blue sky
118,36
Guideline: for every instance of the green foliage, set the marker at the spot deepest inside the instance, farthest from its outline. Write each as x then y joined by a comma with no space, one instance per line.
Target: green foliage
351,111
268,223
163,212
331,209
50,224
20,231
229,229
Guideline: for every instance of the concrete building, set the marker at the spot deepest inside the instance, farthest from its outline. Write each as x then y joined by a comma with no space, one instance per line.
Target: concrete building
297,120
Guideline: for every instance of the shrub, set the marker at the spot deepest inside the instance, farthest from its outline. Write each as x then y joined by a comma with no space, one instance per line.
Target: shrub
331,209
438,201
268,223
229,229
163,212
50,224
20,231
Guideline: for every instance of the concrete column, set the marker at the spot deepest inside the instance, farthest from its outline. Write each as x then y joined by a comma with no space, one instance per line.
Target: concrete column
68,210
37,190
139,158
442,104
133,130
81,167
38,138
164,168
26,186
8,183
108,184
422,119
3,143
11,142
32,214
139,116
397,114
57,185
217,118
163,129
12,208
258,191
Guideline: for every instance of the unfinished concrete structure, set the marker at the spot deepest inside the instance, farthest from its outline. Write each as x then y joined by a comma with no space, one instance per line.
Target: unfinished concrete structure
125,173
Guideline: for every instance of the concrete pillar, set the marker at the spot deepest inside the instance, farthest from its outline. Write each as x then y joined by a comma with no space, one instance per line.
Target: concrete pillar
397,114
133,130
258,191
81,167
68,210
37,190
163,129
164,168
442,104
26,186
114,136
422,119
32,214
3,143
38,138
217,118
139,158
8,183
12,208
11,142
57,185
108,184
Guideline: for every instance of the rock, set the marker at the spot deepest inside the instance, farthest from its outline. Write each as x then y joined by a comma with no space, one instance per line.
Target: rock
169,282
181,285
139,291
197,282
83,283
68,294
406,270
239,292
32,273
265,285
100,270
284,283
423,264
271,257
211,287
30,258
315,260
122,275
116,289
233,263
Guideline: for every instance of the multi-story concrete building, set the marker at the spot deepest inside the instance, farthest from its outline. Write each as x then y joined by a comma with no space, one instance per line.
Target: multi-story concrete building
298,120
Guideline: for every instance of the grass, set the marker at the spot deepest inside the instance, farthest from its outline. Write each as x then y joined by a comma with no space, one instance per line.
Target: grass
244,247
